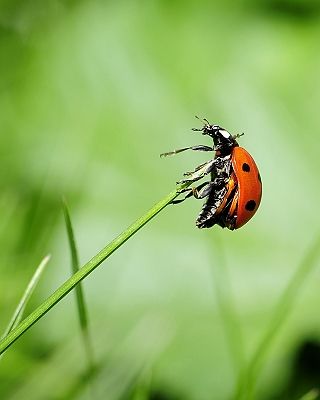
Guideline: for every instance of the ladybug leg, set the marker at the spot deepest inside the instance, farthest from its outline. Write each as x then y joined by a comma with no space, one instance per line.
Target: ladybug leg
202,170
199,147
206,188
238,135
189,173
199,172
190,194
203,191
198,192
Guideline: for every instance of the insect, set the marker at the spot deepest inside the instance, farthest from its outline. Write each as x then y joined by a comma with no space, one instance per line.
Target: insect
233,193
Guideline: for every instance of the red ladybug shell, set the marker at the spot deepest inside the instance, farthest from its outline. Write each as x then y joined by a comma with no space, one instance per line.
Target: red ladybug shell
249,185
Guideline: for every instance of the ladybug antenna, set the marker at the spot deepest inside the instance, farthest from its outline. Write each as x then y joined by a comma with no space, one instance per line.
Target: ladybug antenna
238,135
203,120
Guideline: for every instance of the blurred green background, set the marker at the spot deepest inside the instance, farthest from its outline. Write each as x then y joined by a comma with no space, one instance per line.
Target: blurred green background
91,92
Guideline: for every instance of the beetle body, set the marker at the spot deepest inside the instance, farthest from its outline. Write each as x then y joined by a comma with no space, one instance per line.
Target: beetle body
233,193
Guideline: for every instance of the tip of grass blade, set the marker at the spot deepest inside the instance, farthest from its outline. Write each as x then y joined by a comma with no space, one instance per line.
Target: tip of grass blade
86,270
81,306
18,312
71,238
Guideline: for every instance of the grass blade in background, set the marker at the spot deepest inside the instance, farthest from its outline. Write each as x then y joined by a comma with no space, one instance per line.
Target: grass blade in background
82,311
312,395
121,360
18,313
142,386
248,381
86,269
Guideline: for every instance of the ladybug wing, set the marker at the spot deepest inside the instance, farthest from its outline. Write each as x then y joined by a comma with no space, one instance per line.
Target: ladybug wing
249,184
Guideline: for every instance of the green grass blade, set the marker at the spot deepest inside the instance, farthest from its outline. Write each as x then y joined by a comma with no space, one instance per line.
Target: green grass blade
312,395
83,272
81,306
18,312
143,386
247,383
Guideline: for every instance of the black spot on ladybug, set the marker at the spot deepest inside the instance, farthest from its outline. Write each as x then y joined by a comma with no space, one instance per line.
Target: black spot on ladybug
250,205
259,177
245,167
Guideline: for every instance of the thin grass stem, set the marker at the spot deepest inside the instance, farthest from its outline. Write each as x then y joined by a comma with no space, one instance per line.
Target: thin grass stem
91,265
18,312
248,380
81,305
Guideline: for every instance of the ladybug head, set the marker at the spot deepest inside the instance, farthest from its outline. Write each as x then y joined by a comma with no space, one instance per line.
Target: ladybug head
222,139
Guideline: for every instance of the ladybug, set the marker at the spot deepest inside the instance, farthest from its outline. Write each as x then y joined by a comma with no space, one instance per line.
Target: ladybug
233,193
